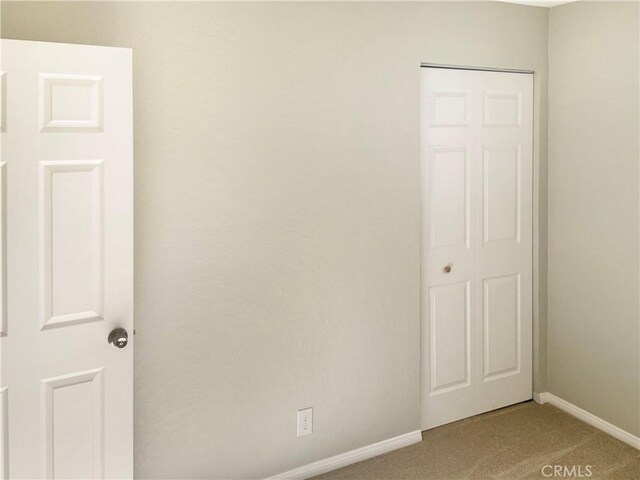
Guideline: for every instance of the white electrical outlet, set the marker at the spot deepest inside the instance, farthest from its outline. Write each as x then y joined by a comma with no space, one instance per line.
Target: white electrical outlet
305,422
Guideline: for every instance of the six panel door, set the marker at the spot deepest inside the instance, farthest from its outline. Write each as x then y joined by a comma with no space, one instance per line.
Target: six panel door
66,259
477,242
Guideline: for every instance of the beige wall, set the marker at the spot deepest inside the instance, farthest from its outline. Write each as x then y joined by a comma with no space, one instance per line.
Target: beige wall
593,336
277,213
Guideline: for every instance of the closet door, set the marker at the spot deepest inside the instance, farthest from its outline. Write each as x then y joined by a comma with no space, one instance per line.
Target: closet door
476,242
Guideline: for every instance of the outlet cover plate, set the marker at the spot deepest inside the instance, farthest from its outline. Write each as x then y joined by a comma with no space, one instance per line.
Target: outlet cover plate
305,422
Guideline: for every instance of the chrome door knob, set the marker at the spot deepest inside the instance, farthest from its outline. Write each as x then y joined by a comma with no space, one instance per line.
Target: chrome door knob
118,337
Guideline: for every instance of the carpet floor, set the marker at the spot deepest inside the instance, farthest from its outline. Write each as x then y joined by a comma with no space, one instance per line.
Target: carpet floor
508,444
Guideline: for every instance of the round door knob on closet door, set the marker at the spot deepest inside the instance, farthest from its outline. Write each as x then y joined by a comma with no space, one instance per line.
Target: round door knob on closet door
118,337
447,269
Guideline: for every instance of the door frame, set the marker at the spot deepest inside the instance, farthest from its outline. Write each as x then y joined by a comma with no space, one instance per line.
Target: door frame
536,337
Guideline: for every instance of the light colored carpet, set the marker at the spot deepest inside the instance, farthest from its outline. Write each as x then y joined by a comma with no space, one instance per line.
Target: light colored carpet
512,443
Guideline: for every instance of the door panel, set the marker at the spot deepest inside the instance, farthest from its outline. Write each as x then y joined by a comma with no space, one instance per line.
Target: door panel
449,324
502,206
501,109
68,219
449,188
4,433
450,108
477,242
71,103
502,322
73,418
3,246
71,242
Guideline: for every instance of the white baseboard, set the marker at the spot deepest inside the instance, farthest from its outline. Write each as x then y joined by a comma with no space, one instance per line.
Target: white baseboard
385,446
541,397
348,458
622,435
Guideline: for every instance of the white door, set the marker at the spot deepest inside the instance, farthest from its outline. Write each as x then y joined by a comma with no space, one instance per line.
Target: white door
66,261
477,131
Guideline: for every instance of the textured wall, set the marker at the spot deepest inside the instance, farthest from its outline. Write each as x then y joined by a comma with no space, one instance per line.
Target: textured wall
594,134
277,209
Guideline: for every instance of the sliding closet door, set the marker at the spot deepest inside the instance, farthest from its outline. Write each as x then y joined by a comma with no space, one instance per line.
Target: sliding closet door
476,242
